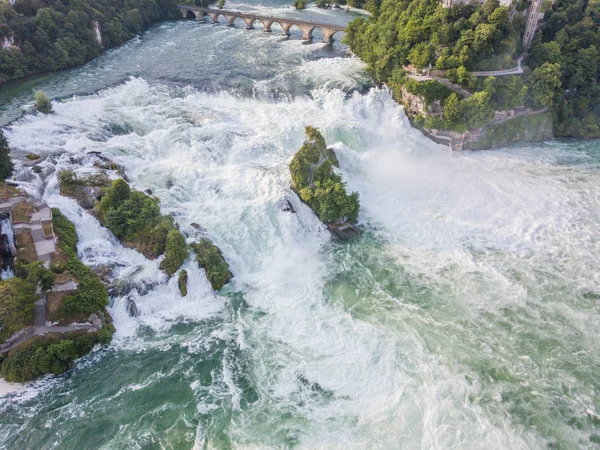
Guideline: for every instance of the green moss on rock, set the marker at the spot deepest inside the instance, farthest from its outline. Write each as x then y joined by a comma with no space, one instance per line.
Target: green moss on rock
182,282
210,258
176,251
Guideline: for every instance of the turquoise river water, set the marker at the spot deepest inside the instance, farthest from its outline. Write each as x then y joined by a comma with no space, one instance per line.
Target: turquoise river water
467,316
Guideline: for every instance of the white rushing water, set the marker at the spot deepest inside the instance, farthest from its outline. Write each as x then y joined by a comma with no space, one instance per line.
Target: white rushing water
466,316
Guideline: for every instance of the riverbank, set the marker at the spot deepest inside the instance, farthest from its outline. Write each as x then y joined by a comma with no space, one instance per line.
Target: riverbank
74,35
52,302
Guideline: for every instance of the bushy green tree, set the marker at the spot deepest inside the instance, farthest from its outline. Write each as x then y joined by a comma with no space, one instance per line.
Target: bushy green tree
476,110
542,84
452,113
175,253
6,165
43,103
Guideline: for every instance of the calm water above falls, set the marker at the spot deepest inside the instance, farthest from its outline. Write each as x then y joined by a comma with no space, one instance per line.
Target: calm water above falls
467,316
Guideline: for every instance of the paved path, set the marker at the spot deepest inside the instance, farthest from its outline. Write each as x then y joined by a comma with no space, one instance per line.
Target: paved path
28,333
518,70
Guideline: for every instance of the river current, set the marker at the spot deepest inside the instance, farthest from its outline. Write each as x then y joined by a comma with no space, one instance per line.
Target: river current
466,316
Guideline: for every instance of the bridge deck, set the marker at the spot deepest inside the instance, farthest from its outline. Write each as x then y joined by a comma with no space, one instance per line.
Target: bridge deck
242,15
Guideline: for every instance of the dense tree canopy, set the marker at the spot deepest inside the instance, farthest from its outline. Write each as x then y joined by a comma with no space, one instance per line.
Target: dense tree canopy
51,35
134,216
562,67
567,52
6,166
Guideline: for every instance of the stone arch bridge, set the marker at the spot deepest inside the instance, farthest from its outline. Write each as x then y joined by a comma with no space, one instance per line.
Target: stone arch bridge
327,30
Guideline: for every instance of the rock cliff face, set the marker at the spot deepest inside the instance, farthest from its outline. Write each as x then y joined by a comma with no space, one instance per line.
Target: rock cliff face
415,104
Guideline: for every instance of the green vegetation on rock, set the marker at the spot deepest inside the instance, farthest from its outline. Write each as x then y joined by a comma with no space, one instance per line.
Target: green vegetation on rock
6,165
182,282
91,295
43,103
50,354
176,251
324,191
210,258
50,36
135,218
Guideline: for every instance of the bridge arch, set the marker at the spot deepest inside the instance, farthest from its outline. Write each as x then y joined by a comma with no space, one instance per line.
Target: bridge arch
188,14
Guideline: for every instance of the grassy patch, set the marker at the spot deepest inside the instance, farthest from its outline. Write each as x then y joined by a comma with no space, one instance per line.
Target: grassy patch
7,191
47,227
25,247
182,282
21,213
176,251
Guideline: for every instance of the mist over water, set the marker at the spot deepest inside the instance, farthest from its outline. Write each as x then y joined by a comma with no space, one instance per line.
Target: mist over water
466,316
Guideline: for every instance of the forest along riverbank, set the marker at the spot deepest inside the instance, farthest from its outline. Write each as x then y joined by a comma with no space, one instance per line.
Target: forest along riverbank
467,307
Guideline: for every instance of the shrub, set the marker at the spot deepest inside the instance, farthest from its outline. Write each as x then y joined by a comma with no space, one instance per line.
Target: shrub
176,251
210,258
42,103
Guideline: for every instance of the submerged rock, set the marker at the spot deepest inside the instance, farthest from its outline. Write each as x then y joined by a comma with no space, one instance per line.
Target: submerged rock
131,307
286,205
104,272
198,227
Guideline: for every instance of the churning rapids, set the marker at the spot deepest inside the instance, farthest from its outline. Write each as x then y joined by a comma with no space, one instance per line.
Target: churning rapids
467,316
